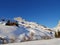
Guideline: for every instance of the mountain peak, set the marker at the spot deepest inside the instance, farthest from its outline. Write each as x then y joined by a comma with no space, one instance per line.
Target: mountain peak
19,19
58,26
59,23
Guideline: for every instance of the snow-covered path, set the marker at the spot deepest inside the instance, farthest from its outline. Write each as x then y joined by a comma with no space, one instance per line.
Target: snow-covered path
39,42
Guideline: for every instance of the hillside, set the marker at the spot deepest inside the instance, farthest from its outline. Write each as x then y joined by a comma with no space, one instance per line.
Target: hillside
21,30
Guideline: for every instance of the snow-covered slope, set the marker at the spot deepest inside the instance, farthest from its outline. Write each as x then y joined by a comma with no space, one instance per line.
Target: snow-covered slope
39,42
25,31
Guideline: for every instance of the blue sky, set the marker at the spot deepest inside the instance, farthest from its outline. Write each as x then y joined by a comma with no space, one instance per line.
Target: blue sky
45,12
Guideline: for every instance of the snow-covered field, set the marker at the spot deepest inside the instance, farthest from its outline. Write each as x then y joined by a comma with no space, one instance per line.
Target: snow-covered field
39,42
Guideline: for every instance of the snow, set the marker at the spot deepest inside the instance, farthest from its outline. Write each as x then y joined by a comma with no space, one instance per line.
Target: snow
39,42
26,30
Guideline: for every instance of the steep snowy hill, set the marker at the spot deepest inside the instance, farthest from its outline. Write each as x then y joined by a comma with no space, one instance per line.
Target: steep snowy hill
24,31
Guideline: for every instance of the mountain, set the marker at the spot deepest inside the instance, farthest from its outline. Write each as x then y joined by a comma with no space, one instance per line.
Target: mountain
57,27
57,30
21,30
